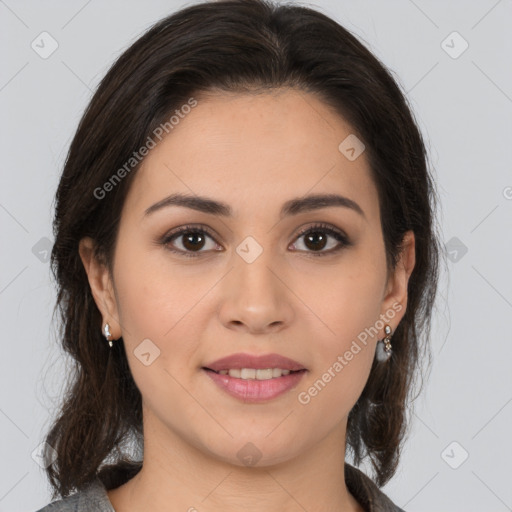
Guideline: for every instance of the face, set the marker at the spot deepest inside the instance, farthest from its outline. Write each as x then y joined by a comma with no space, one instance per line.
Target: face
301,289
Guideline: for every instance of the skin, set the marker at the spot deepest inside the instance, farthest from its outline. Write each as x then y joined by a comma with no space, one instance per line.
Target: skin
253,152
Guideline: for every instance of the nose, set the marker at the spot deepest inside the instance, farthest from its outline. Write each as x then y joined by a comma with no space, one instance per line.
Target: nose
256,297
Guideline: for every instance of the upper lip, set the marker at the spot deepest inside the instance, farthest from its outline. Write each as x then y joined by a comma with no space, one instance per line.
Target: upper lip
239,361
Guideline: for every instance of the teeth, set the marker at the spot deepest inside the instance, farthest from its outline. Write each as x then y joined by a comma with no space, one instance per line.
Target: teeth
252,373
248,373
265,374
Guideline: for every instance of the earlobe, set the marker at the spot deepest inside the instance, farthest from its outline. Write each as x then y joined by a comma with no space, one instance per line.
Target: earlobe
101,285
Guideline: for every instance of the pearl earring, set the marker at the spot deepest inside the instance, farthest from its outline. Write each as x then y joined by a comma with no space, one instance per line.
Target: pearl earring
106,330
384,346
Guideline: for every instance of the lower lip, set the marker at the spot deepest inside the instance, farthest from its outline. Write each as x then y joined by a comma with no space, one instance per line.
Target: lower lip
253,390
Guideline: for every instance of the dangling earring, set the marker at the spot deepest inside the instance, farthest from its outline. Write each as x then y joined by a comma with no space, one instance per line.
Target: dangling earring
384,346
106,330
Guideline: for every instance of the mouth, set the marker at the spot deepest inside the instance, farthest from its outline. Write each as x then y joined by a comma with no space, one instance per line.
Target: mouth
254,379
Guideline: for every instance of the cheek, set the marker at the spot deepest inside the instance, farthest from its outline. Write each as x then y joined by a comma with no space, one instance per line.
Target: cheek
153,297
347,300
160,315
345,297
343,356
162,305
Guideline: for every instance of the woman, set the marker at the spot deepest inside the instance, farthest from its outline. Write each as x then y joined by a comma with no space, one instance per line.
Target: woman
247,262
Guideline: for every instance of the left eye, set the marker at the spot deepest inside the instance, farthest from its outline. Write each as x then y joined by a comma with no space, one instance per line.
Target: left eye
316,238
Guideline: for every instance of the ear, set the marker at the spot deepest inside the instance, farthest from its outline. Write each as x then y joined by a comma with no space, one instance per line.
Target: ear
101,286
396,290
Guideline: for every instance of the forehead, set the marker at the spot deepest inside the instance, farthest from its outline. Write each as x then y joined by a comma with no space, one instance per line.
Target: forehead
273,145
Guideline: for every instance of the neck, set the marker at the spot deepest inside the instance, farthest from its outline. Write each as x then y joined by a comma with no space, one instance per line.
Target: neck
178,476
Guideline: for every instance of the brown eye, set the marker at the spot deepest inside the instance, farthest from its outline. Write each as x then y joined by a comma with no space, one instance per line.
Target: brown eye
189,241
316,239
193,241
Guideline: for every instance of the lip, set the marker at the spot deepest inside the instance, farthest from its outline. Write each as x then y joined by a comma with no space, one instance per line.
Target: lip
241,360
255,391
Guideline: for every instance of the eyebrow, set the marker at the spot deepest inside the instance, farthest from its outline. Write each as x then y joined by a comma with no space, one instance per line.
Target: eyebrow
291,207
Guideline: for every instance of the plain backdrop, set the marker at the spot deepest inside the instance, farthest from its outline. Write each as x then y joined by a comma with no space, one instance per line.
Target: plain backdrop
453,61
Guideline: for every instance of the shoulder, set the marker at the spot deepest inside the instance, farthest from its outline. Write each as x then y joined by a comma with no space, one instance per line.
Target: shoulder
367,492
92,498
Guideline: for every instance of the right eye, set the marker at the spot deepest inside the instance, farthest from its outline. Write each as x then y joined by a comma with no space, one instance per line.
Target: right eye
193,240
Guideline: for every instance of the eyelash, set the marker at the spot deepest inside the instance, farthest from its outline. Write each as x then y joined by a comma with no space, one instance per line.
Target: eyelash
200,229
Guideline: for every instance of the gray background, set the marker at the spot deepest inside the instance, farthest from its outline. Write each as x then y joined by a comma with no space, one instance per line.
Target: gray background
463,106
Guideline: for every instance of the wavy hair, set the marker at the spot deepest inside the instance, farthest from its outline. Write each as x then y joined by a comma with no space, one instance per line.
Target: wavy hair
243,46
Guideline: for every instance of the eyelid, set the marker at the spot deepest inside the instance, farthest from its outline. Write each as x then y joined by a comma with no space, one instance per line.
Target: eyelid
321,225
189,228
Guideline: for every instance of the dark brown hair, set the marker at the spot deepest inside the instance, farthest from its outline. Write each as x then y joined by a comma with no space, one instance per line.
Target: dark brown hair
243,46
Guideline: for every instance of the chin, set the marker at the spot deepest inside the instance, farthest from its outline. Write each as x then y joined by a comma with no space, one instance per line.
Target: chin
256,451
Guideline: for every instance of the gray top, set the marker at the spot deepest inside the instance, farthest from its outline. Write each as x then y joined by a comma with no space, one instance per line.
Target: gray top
94,498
